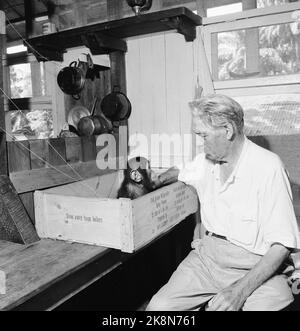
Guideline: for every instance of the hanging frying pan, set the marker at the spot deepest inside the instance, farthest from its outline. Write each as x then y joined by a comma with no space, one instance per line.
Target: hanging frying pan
116,106
75,114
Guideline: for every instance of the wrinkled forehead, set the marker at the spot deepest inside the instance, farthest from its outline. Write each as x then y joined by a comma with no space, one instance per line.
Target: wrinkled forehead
201,124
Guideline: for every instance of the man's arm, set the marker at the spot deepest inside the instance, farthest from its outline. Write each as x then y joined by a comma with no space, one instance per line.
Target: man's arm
168,177
234,297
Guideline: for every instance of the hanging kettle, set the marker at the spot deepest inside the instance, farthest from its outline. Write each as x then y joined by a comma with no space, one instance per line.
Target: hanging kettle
71,79
116,106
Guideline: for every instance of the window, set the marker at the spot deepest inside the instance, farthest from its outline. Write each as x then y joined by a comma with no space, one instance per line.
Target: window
223,10
30,111
27,80
255,48
278,52
254,57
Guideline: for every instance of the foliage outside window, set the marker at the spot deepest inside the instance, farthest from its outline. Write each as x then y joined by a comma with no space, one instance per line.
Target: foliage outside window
268,3
279,52
30,110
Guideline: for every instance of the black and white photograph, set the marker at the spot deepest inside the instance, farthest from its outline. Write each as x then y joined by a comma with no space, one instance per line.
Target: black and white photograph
149,159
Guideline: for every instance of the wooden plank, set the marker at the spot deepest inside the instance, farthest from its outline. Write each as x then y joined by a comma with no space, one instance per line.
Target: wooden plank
203,45
147,120
39,153
57,96
188,86
123,28
259,81
115,223
31,270
214,56
15,223
18,156
271,10
88,148
263,90
249,4
89,220
172,86
201,7
20,160
280,18
57,151
28,203
134,85
3,159
73,149
114,9
157,212
103,186
36,179
118,71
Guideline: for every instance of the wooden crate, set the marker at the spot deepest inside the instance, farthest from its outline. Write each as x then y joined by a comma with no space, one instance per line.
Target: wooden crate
74,213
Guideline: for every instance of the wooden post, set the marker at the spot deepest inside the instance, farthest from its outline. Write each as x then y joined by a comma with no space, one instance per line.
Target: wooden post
118,71
3,154
252,41
201,7
114,9
249,4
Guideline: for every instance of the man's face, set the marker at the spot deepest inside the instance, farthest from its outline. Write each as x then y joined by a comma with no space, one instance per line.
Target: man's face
215,139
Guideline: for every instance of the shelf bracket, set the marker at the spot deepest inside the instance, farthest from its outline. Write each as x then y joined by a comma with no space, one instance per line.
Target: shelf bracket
182,25
100,43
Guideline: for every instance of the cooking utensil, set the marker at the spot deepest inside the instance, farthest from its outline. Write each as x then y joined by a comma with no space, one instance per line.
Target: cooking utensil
75,114
93,125
71,79
116,106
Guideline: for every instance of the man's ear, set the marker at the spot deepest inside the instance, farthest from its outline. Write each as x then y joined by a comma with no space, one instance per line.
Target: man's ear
230,131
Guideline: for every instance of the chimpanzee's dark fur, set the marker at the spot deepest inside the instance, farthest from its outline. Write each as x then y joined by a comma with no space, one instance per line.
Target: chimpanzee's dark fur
133,190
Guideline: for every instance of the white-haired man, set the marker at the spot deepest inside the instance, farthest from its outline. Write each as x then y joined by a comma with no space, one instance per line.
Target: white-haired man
247,211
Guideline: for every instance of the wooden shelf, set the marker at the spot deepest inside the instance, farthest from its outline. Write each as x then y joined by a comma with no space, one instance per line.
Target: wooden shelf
107,37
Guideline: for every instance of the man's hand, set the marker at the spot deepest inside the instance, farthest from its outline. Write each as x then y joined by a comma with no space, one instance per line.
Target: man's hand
230,299
234,297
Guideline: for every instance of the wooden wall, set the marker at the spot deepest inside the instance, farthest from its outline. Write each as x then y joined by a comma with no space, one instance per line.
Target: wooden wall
36,164
161,81
162,74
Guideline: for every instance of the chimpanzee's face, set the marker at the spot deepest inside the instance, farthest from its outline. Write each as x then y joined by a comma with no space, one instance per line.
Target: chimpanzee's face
215,139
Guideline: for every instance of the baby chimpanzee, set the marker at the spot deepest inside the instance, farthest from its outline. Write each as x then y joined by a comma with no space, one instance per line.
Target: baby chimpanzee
139,179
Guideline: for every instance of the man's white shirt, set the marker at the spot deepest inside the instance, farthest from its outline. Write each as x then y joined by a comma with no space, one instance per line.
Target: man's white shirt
253,208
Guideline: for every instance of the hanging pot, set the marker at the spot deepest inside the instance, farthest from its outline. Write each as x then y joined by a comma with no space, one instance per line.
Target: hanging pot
71,79
116,106
93,125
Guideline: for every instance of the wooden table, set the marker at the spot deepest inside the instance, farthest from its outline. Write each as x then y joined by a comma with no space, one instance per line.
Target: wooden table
44,275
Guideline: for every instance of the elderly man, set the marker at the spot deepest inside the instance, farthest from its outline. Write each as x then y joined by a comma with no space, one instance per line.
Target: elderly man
247,211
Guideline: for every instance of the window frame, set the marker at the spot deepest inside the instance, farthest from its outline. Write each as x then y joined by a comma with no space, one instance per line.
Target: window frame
54,99
255,18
